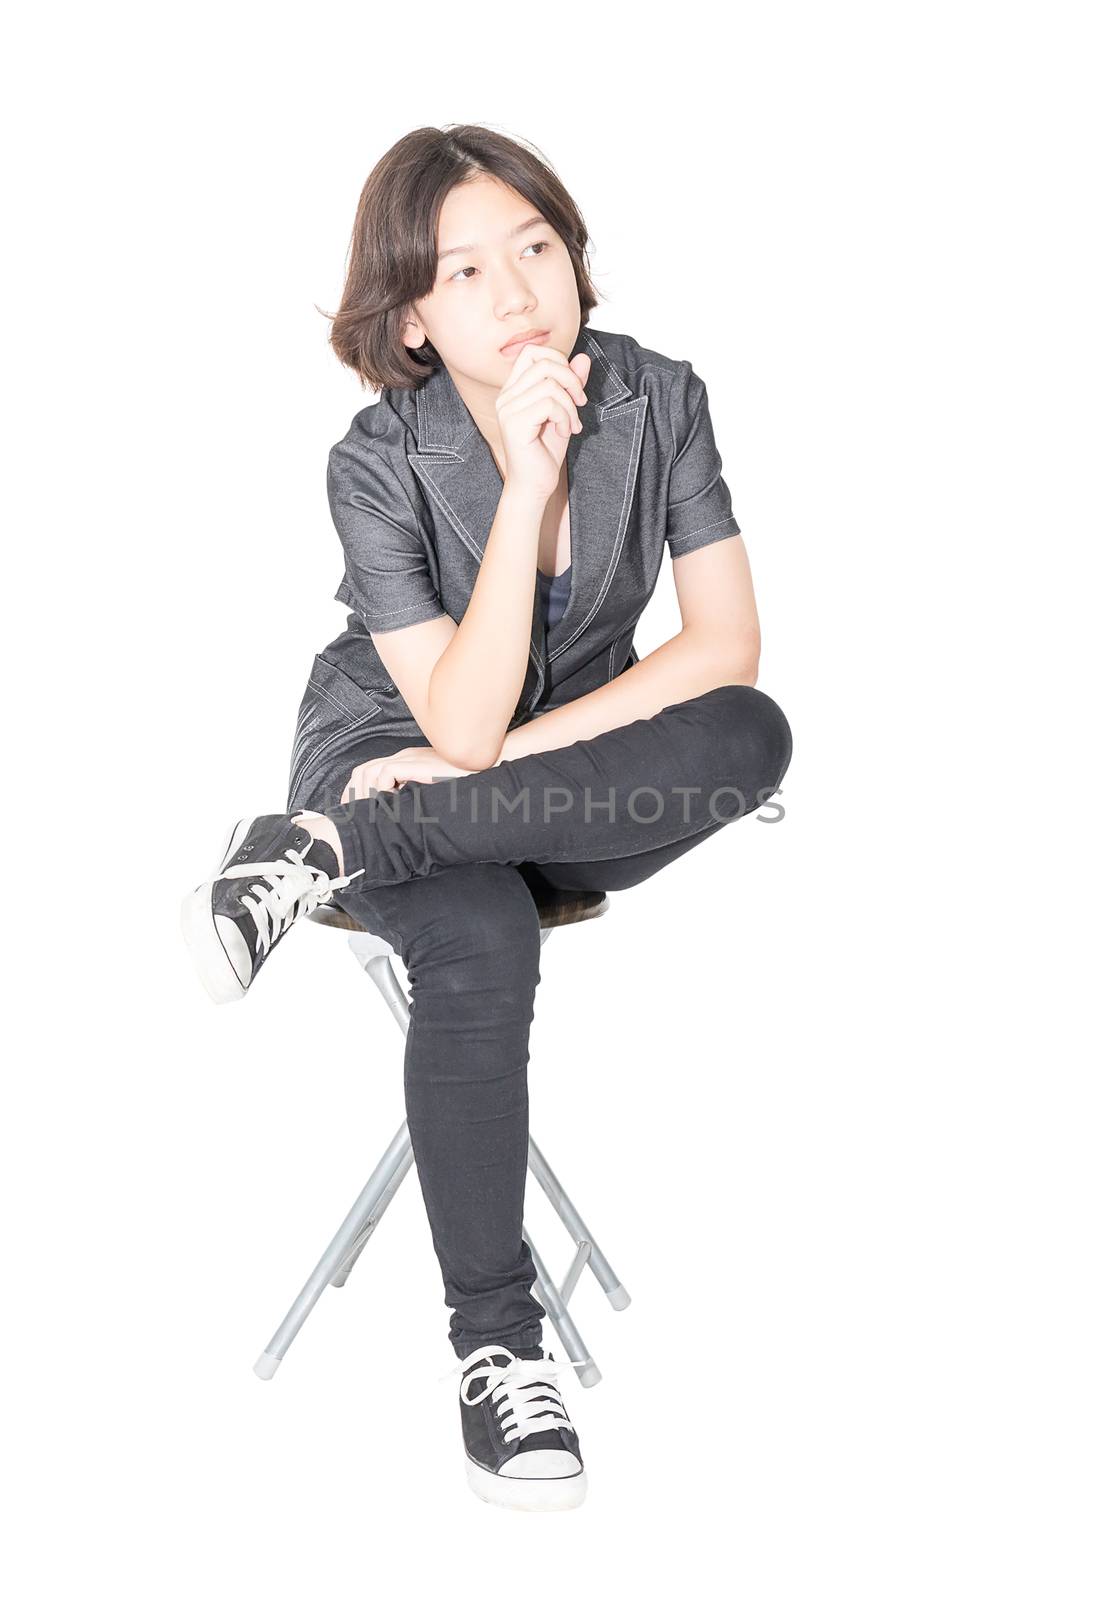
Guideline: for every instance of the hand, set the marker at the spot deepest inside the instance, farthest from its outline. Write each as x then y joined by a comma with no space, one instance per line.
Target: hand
537,411
417,764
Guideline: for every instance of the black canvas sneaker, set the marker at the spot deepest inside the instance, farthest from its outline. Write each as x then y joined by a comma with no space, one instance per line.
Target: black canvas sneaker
521,1447
272,873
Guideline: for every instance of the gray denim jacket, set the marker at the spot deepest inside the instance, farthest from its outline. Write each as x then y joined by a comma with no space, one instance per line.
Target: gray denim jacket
413,490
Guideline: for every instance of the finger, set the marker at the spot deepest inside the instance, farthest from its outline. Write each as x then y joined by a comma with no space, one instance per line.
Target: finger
547,402
361,783
571,380
559,412
532,354
528,353
524,370
543,362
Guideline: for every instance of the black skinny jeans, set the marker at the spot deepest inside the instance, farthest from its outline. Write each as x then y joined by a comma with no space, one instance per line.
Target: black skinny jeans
441,883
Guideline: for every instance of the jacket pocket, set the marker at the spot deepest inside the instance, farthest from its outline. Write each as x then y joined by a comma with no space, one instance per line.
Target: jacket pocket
333,708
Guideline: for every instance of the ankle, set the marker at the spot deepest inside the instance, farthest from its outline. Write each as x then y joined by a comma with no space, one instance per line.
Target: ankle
319,826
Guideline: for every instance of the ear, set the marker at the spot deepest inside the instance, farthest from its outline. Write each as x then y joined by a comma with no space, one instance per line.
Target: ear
413,335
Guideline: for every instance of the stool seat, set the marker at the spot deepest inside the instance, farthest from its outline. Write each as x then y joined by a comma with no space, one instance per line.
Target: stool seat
557,907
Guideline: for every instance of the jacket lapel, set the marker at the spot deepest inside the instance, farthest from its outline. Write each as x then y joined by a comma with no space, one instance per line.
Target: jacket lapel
454,462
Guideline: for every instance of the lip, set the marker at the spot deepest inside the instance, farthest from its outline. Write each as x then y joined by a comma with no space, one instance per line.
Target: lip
540,336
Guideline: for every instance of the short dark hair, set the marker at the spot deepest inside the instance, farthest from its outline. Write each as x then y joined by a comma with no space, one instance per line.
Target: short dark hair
392,258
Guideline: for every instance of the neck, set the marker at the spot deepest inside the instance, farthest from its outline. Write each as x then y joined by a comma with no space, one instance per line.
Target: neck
480,400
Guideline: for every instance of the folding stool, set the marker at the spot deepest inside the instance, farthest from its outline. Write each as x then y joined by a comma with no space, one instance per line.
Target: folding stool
557,908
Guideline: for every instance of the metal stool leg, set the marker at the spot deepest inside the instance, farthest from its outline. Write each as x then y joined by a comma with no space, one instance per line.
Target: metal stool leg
589,1253
366,949
373,955
350,1236
555,1306
340,1277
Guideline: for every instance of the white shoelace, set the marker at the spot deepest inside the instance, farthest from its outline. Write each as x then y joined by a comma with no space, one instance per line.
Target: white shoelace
525,1409
293,888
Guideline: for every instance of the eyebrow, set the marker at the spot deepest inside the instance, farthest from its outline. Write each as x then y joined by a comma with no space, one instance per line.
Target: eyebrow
467,249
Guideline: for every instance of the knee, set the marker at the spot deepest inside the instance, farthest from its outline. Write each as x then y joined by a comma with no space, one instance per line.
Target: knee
473,968
487,936
755,743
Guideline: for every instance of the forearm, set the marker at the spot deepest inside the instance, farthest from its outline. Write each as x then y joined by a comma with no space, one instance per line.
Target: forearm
478,679
685,666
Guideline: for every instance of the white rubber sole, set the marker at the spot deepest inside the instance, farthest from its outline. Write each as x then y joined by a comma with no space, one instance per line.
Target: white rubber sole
199,926
526,1494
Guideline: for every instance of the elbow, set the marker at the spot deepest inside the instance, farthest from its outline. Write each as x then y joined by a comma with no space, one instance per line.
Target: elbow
477,759
471,751
460,754
464,741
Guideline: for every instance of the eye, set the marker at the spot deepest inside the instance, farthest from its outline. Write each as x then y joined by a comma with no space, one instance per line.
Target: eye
541,245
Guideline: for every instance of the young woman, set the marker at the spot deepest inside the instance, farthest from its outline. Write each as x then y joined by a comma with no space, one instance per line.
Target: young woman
483,723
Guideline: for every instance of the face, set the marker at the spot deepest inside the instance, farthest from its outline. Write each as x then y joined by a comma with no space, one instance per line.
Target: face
500,271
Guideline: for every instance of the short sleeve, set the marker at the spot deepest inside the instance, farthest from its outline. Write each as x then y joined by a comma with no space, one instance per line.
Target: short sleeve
699,505
387,580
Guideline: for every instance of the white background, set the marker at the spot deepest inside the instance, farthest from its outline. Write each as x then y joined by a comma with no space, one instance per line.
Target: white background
835,1121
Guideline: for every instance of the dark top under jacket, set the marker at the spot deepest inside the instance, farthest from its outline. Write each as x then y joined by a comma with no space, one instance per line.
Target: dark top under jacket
413,491
554,593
